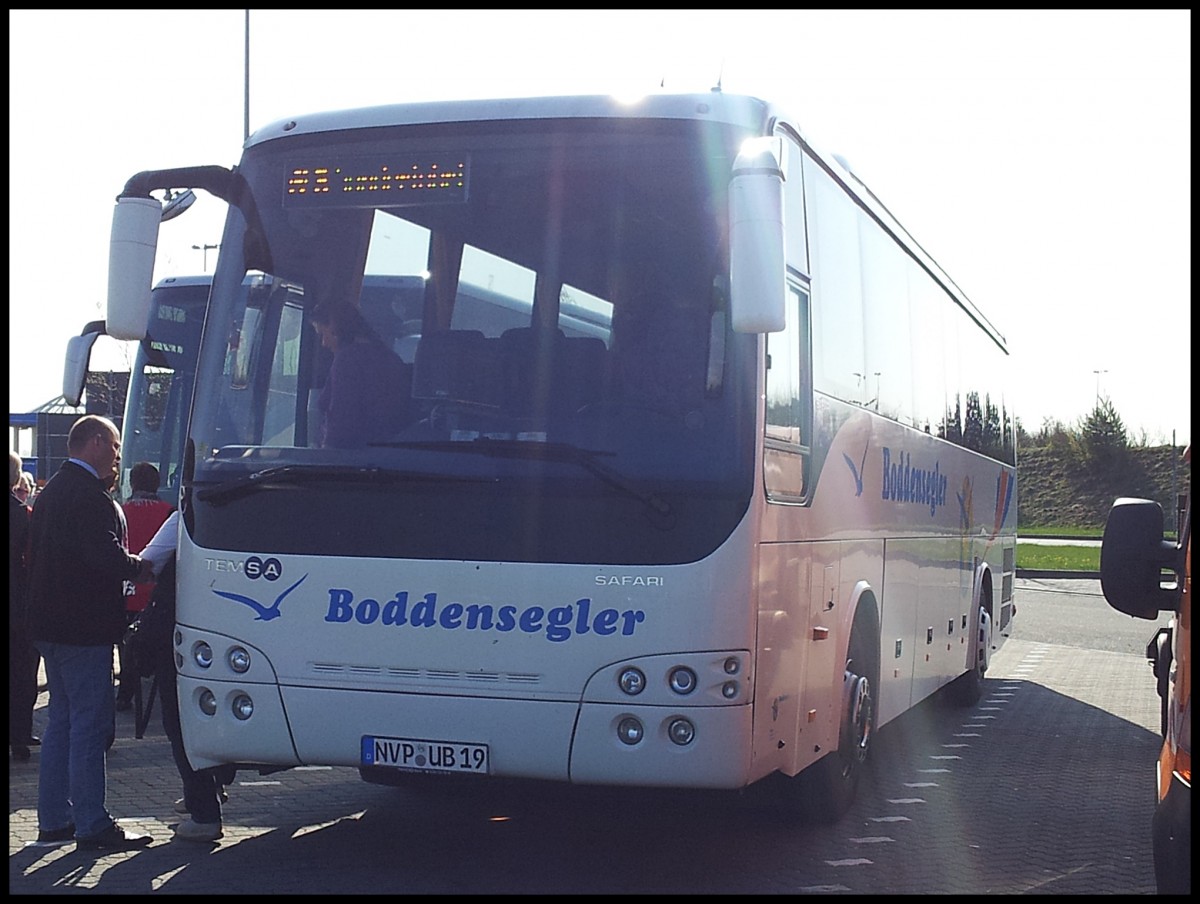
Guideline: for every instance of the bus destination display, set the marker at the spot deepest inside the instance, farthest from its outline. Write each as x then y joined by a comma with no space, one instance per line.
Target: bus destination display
376,182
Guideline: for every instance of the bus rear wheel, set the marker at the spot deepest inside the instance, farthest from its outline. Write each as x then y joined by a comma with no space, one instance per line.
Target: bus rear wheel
967,689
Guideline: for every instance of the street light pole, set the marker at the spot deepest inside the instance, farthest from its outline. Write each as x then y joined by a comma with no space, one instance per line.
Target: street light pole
247,104
1098,373
205,250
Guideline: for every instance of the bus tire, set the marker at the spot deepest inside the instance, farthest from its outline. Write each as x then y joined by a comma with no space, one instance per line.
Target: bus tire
1163,654
826,789
967,688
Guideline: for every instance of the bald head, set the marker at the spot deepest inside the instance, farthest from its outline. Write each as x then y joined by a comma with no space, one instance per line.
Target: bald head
96,440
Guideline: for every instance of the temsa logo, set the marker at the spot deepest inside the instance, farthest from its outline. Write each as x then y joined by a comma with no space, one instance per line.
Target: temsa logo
271,569
253,568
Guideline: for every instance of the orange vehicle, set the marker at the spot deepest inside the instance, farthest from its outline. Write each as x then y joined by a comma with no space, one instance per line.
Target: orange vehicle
1143,574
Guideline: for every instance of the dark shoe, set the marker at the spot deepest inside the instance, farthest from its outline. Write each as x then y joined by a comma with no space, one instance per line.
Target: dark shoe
57,836
114,838
20,752
35,741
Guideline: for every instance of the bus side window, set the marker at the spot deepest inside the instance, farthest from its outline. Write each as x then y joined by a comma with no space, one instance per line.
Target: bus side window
789,403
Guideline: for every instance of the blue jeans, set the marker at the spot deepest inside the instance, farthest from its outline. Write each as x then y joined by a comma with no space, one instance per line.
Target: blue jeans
201,788
71,781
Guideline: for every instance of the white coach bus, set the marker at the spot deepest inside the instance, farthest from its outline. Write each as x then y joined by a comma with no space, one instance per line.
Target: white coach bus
693,469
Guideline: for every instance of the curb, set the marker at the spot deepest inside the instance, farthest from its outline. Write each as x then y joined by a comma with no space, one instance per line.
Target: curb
1063,575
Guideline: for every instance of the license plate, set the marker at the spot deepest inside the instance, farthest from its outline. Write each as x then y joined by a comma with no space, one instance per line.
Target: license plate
421,755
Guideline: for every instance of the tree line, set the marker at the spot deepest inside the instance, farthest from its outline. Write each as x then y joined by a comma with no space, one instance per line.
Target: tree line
1100,437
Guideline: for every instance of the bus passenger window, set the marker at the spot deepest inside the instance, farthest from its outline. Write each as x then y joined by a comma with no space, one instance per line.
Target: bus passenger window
789,403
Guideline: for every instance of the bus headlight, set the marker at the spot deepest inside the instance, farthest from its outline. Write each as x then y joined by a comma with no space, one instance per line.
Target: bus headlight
632,681
202,654
681,732
732,666
729,690
238,659
682,680
629,730
208,703
243,707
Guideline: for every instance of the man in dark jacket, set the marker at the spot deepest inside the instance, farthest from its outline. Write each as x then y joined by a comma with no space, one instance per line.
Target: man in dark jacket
78,569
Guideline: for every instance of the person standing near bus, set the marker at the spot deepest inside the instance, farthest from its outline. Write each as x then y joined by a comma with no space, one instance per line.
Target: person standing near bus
26,490
144,514
79,563
22,657
203,789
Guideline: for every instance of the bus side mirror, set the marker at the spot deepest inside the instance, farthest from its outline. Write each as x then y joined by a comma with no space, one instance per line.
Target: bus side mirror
75,368
757,274
1134,557
131,266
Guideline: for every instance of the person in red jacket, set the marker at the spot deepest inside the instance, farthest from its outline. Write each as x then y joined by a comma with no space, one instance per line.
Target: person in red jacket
144,515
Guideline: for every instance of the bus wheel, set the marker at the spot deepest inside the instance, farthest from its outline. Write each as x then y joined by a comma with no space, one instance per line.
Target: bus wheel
967,688
1159,653
827,788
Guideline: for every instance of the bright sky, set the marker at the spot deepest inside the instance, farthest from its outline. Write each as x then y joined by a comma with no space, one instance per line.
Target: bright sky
1042,157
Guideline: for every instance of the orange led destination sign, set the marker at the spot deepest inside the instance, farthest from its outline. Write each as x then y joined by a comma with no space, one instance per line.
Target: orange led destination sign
376,183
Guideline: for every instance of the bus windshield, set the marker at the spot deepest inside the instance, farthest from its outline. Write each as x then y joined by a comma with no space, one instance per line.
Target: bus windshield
451,327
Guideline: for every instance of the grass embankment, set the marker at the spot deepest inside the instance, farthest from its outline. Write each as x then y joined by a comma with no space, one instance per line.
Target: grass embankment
1061,494
1036,557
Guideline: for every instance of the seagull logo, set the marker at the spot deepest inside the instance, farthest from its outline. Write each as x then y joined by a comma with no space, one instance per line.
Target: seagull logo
265,613
857,472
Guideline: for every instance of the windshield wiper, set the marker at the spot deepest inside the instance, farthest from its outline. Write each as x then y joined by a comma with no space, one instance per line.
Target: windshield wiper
299,474
588,459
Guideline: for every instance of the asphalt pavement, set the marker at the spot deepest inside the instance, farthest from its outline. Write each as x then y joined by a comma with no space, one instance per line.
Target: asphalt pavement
1072,721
